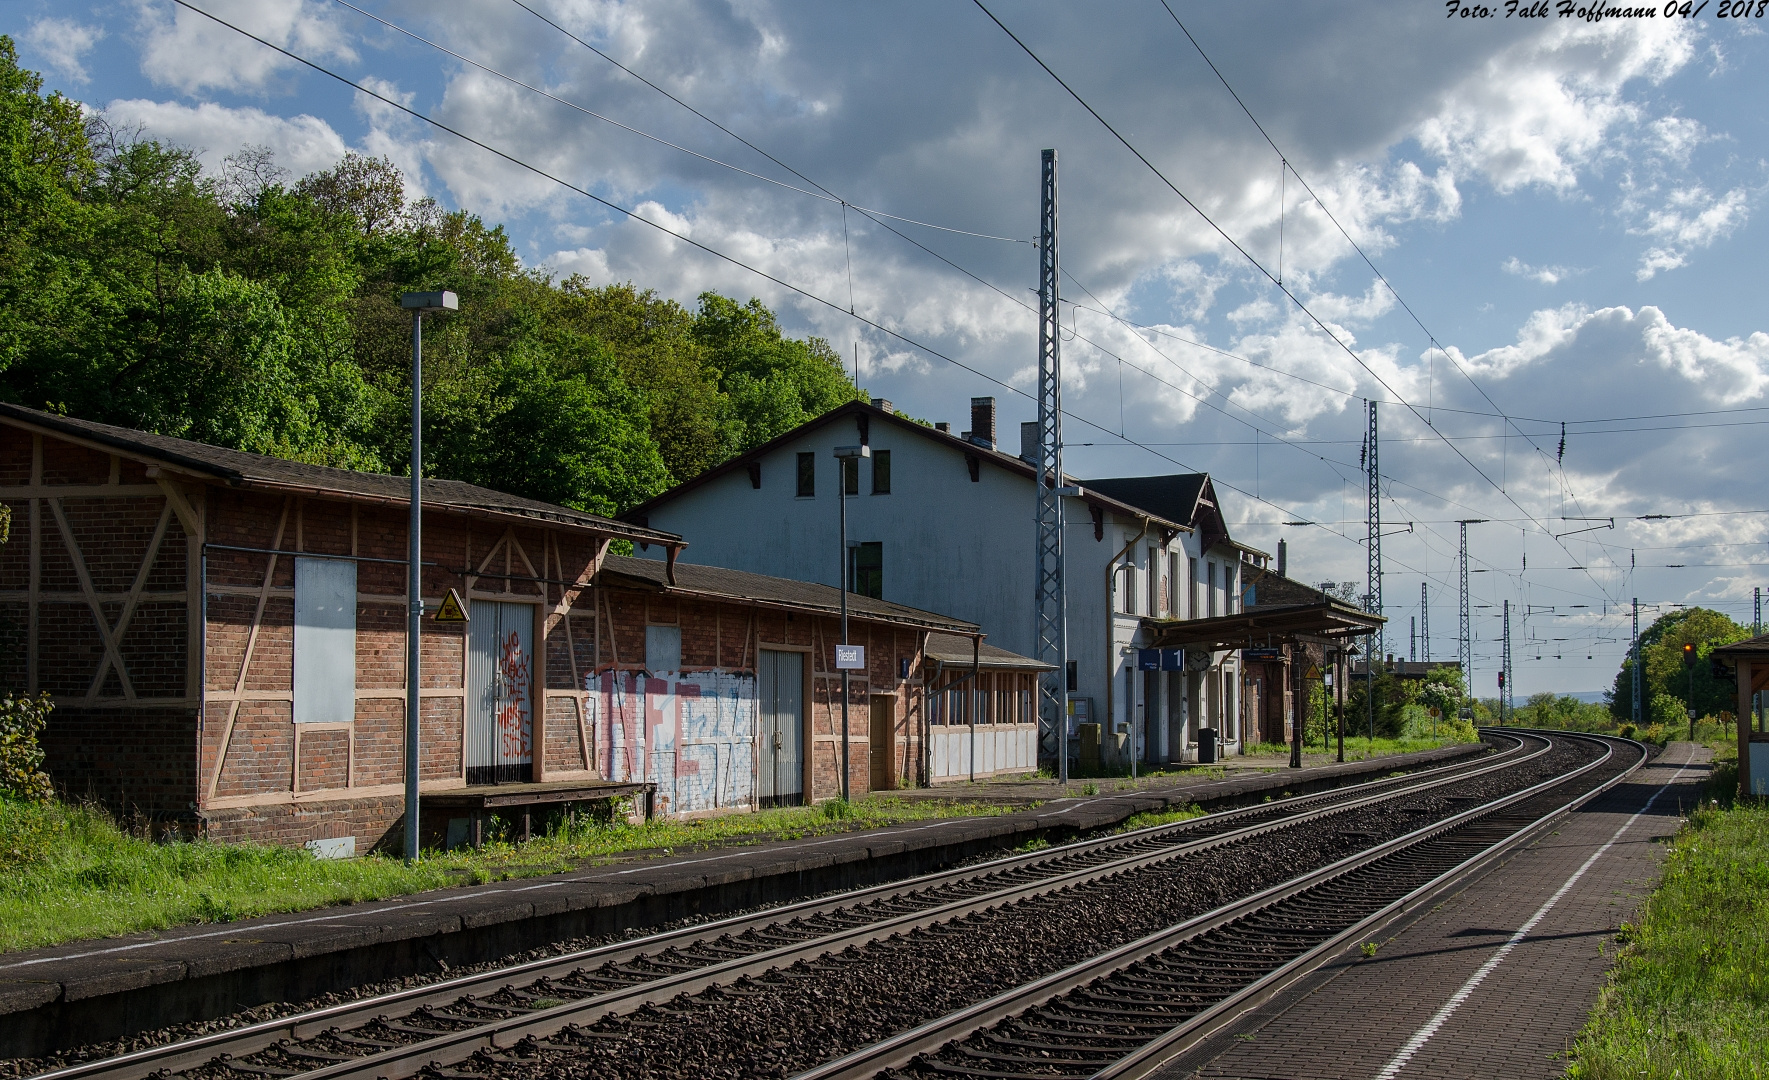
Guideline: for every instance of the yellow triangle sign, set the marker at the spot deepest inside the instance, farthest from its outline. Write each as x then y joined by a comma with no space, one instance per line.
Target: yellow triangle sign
1312,672
453,608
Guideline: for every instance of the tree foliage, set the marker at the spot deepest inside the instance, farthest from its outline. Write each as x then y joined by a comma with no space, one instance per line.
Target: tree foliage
251,312
1664,674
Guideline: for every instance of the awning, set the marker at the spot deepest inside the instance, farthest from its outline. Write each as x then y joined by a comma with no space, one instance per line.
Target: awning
1261,626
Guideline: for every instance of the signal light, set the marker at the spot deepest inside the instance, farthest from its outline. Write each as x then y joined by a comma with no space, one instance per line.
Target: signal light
1688,655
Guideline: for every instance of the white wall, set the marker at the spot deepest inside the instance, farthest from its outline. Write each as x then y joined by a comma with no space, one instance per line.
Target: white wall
950,545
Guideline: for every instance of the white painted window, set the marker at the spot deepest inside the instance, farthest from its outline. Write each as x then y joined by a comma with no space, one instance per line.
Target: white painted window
325,640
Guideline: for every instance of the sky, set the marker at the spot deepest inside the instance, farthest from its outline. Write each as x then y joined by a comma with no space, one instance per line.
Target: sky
1500,229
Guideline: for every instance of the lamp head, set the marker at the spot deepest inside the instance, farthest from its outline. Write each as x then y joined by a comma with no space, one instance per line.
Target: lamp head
846,452
430,301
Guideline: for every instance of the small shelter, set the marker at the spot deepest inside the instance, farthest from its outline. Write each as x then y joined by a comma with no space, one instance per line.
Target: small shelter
1750,663
1281,634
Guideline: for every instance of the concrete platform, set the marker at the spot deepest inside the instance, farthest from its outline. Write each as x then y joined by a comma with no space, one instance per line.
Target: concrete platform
1496,981
86,992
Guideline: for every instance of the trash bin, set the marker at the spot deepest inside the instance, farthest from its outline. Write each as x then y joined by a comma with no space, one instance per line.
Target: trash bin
1206,746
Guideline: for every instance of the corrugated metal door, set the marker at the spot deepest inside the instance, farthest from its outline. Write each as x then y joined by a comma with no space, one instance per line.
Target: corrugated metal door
500,693
781,763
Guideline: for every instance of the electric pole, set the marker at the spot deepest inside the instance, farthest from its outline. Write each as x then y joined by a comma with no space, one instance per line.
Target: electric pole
1635,666
1424,623
1051,632
1413,638
1373,565
1465,635
1505,669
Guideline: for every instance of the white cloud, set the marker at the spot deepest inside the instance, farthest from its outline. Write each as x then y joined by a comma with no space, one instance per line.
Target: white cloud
1540,109
184,50
64,43
1547,275
1691,218
302,144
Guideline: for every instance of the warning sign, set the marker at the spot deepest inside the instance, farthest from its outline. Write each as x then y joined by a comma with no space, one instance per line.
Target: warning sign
453,608
1312,672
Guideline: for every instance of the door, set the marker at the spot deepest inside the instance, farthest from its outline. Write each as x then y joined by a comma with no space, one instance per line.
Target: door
500,693
884,742
780,764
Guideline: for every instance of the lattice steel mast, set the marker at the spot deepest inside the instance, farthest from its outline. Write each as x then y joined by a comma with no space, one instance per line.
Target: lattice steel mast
1424,623
1052,633
1635,666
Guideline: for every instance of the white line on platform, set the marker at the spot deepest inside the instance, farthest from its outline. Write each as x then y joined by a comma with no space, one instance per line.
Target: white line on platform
1432,1026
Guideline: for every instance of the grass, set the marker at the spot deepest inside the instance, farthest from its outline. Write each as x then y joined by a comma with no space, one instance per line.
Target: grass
1150,818
1689,996
1357,747
69,872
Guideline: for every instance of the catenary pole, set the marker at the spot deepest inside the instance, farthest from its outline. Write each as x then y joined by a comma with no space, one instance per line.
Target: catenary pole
1051,632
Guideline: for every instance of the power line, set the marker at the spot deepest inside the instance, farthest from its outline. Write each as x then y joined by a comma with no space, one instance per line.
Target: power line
1232,242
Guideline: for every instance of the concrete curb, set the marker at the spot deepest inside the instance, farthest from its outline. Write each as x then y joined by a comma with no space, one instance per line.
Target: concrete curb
94,991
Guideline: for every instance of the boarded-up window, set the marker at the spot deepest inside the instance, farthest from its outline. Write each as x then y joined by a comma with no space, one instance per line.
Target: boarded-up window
663,649
325,640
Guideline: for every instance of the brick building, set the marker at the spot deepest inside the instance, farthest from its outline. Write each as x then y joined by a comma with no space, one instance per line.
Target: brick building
224,633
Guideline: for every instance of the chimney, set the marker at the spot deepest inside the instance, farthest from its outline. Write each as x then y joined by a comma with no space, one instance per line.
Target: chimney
1029,442
884,405
982,421
1283,558
943,427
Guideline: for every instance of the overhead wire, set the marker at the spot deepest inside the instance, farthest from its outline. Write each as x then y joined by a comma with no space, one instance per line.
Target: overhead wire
1239,248
641,219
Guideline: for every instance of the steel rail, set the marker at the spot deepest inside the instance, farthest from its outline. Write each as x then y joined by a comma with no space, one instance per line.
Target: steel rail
241,1042
903,1048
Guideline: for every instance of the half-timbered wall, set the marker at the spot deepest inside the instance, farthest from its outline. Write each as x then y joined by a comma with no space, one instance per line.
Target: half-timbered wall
178,704
94,610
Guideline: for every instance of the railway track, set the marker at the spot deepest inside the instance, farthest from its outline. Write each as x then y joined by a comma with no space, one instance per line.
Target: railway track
1123,1014
513,1019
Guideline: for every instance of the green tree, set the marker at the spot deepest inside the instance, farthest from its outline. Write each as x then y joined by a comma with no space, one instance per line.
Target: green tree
1663,670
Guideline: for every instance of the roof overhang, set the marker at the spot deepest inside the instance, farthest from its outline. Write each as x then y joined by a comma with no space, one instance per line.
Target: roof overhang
609,578
1330,621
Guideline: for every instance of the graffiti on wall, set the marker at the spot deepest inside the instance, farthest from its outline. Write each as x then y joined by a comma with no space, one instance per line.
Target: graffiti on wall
690,733
514,727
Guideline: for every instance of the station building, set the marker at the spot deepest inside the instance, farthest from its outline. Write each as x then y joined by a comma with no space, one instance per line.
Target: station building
945,521
223,635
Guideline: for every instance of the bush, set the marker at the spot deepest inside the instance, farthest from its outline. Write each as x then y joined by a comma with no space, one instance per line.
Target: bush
1668,711
21,759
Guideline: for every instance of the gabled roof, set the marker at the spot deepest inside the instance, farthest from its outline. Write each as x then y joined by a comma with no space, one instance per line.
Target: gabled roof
1187,498
718,583
237,468
864,413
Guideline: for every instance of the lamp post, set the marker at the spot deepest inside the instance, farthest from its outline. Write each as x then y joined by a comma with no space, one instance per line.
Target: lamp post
417,303
843,455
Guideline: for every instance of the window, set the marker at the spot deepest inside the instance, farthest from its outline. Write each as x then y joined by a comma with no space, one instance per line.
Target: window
866,569
1231,586
881,472
807,475
1192,611
1212,587
325,640
1175,563
851,475
1154,582
663,649
1127,595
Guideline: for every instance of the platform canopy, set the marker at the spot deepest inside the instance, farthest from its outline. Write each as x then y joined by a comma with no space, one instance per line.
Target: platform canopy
1329,621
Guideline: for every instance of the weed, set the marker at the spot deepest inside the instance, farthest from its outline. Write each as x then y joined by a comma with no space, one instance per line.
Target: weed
1369,948
1090,788
1150,818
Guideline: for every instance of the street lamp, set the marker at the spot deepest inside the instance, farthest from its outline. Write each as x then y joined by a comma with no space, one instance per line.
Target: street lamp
417,303
843,455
